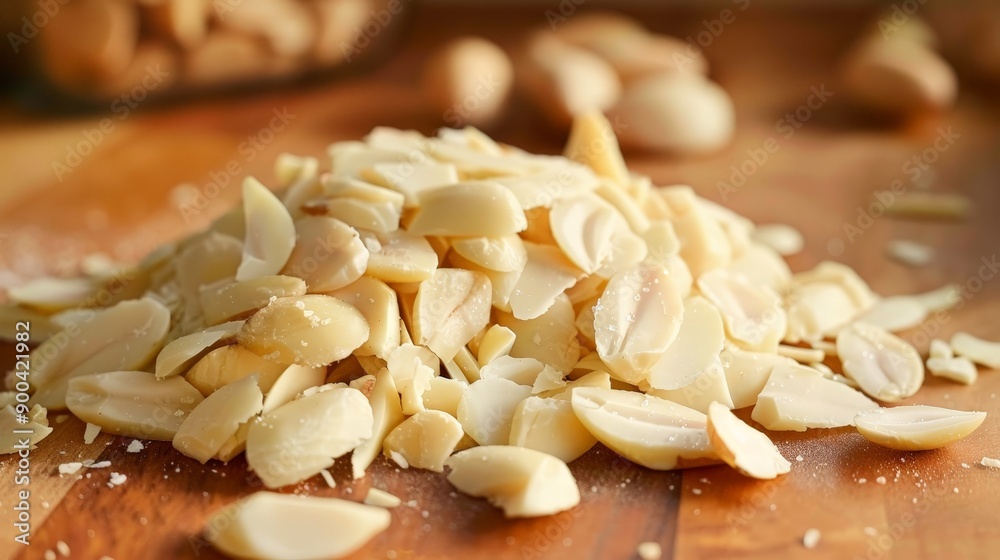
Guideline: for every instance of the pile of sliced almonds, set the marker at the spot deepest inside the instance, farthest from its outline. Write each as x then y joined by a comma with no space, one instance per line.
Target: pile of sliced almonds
460,305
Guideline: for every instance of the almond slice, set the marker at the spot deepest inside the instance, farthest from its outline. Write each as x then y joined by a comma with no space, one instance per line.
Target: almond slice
303,437
884,366
747,373
470,210
451,307
133,403
217,418
210,259
487,409
754,315
182,353
940,349
983,352
230,301
783,238
960,369
896,313
742,447
694,350
412,178
381,498
224,365
291,382
550,426
523,482
328,254
653,432
444,394
124,337
636,319
270,233
710,386
582,227
549,338
547,274
311,330
386,415
502,254
797,397
399,257
918,427
381,217
593,143
497,342
380,307
425,440
705,245
272,525
523,371
55,294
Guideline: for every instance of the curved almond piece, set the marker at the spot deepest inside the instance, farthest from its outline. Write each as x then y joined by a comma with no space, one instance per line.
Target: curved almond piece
224,365
754,315
270,233
381,217
399,257
742,447
386,415
208,260
451,307
217,418
550,426
981,351
380,307
133,403
918,427
593,143
487,409
582,227
290,383
444,394
470,210
636,319
502,254
311,330
424,440
55,294
705,243
818,309
523,482
496,342
180,354
959,369
896,313
549,338
797,397
694,350
762,266
523,371
328,254
124,337
883,365
653,432
711,386
547,274
303,437
747,373
272,525
231,301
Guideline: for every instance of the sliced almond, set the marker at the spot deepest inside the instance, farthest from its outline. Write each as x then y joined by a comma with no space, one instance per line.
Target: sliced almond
710,386
292,381
818,309
523,371
523,482
797,397
983,352
444,394
549,338
896,313
425,440
55,294
747,373
468,209
487,409
312,330
549,379
917,427
270,233
843,276
960,369
636,319
940,349
754,315
550,426
884,366
546,275
502,254
742,447
230,301
762,266
399,257
272,525
380,307
694,350
328,254
380,217
783,238
593,143
124,337
412,179
451,307
386,415
941,299
382,499
653,432
497,342
217,418
208,260
182,353
133,403
583,226
910,252
303,437
222,366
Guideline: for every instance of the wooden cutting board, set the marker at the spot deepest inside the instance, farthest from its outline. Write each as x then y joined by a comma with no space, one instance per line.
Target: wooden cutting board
118,200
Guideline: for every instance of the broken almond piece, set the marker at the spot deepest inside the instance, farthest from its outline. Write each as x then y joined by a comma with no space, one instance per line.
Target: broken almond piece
270,233
742,447
653,432
303,437
523,482
231,301
487,409
217,418
224,365
133,403
550,426
884,366
959,369
272,525
983,352
549,338
468,209
291,381
754,315
399,257
917,427
380,307
37,426
497,341
797,397
582,227
182,353
451,307
593,143
784,239
381,498
386,415
695,349
311,330
425,440
747,373
546,274
328,254
896,313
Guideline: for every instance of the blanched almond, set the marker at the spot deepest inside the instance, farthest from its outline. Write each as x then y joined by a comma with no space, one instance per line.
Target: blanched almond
918,427
797,397
523,482
204,262
179,355
960,369
312,330
782,238
593,143
754,315
468,209
399,257
303,437
124,337
412,178
711,386
522,371
230,301
883,365
328,254
451,307
386,415
582,226
742,447
272,525
653,432
380,307
381,498
896,313
270,233
694,350
224,365
747,373
983,352
444,394
487,409
217,418
636,319
425,440
497,342
290,382
550,426
502,254
55,294
898,77
705,244
549,338
818,309
546,275
133,403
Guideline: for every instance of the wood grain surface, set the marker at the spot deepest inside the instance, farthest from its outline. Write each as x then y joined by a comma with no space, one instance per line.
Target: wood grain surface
939,504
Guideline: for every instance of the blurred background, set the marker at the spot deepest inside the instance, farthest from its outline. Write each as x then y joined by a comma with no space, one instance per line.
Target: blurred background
125,123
